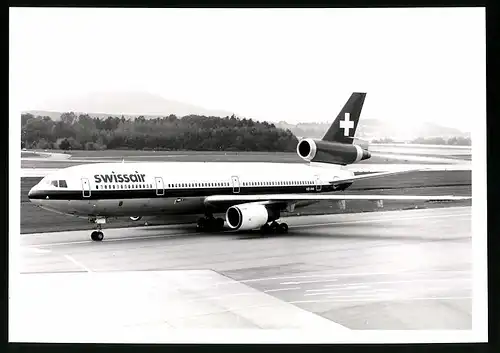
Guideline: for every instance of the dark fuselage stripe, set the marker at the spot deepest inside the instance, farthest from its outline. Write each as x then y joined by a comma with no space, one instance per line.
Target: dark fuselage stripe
128,194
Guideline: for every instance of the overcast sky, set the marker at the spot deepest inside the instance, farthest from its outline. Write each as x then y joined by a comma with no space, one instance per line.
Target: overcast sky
293,65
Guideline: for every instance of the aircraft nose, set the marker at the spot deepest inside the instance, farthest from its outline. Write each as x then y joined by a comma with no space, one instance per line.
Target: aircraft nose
34,193
31,193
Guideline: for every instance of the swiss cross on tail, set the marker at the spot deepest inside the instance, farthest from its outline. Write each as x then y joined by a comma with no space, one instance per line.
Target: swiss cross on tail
344,126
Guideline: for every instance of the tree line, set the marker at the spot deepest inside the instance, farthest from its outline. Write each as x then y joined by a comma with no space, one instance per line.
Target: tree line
192,132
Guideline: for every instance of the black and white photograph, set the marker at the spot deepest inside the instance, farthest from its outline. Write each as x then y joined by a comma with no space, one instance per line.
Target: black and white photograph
247,175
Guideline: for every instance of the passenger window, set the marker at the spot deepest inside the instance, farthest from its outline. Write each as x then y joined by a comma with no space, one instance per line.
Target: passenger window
97,186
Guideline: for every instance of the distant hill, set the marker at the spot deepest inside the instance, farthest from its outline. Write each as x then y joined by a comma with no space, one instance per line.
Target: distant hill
129,104
370,129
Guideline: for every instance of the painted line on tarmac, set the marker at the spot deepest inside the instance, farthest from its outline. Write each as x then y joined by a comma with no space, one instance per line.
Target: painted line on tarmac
388,298
281,289
79,264
359,274
380,220
37,250
295,226
314,281
348,286
331,290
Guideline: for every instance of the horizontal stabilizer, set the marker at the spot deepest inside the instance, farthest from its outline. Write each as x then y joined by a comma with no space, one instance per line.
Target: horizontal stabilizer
373,176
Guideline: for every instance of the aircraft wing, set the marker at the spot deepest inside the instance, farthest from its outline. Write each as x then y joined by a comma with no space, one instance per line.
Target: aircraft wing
272,198
333,196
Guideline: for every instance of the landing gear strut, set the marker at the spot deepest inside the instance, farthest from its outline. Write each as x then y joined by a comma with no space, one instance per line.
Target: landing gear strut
274,228
98,235
210,224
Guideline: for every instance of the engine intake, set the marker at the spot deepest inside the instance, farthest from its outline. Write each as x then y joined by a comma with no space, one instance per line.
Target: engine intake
138,218
249,216
330,152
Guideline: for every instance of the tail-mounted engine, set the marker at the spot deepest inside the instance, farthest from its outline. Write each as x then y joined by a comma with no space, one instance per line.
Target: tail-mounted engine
331,152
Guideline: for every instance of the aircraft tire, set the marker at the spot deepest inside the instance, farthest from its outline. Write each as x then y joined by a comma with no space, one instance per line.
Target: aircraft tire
97,236
265,229
283,228
275,227
201,225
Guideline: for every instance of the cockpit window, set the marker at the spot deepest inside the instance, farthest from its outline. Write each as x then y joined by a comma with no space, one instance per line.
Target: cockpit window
57,183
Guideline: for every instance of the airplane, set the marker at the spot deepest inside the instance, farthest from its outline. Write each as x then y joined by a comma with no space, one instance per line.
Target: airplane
251,195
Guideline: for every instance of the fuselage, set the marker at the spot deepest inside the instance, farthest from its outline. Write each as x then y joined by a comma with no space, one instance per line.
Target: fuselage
169,188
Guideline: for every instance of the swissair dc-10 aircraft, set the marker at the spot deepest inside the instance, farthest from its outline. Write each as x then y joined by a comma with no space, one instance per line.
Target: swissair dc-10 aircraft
252,195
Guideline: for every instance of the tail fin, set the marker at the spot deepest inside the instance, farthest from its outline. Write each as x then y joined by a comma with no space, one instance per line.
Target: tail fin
344,126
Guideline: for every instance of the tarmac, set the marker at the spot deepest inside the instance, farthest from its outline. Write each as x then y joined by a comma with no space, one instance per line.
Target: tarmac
330,275
403,270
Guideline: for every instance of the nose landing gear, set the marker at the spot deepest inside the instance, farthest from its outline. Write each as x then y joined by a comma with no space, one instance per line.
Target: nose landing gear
97,235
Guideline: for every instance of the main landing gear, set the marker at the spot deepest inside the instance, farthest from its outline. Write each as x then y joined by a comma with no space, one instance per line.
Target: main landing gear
97,235
210,224
274,228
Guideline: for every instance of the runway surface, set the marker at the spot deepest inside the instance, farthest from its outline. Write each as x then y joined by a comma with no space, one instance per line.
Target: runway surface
381,154
380,270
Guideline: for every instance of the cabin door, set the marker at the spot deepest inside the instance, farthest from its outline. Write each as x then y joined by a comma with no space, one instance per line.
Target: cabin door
317,182
160,191
236,184
85,187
